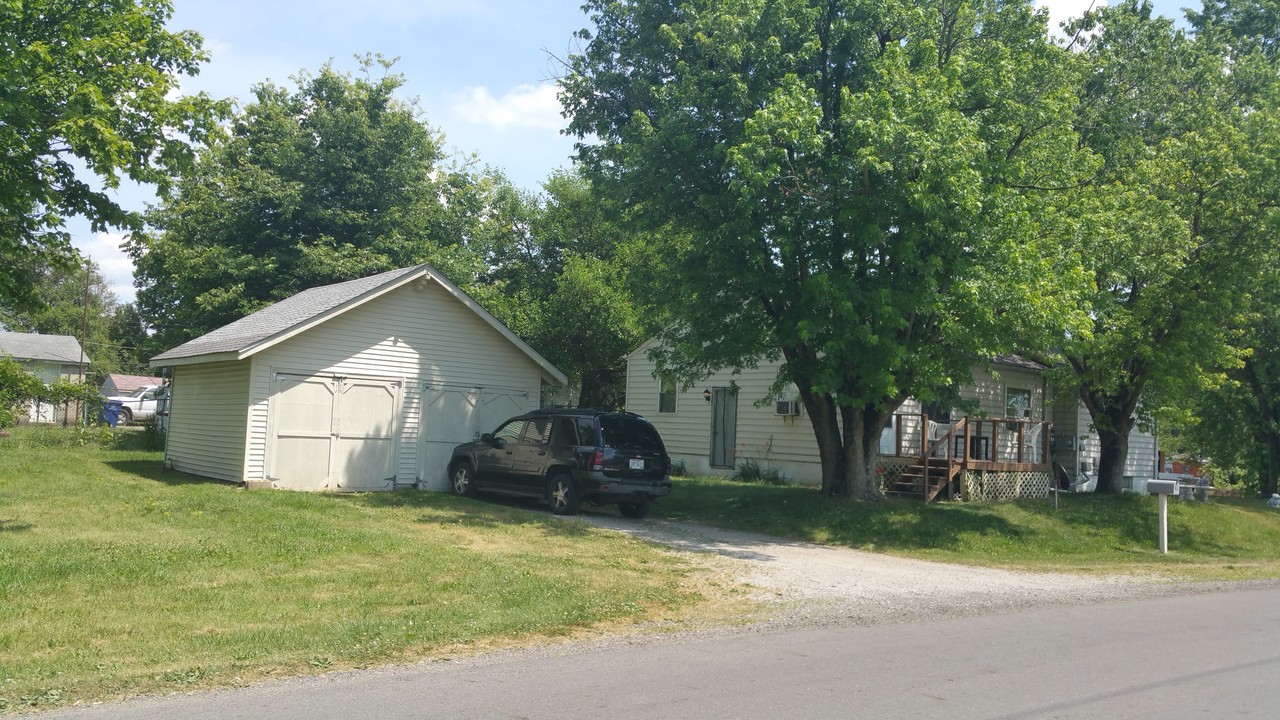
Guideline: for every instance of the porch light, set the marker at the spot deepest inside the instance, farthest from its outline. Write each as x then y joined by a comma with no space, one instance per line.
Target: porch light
706,395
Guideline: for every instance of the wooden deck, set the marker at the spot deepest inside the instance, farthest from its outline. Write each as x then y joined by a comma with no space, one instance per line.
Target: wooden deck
940,454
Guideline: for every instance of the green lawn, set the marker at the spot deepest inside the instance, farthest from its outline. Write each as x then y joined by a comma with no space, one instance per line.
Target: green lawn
118,578
1225,539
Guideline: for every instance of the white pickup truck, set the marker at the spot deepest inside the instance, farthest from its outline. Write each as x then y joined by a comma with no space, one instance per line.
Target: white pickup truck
141,404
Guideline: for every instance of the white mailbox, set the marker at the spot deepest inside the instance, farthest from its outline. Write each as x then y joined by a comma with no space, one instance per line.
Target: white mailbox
1163,488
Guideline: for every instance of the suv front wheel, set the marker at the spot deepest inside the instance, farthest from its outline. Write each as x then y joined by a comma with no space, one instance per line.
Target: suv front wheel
562,494
462,480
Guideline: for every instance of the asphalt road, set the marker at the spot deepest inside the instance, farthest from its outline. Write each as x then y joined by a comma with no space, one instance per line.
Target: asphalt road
1211,655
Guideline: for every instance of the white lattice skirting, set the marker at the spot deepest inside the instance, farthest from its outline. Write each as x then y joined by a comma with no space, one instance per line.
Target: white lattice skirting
888,469
991,485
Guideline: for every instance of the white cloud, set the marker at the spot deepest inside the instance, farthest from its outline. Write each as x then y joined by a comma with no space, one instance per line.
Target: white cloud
116,267
524,106
1062,10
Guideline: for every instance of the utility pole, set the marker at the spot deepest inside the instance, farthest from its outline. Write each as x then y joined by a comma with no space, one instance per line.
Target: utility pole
84,331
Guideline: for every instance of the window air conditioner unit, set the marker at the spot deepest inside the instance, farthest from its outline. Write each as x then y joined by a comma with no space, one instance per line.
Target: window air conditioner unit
787,407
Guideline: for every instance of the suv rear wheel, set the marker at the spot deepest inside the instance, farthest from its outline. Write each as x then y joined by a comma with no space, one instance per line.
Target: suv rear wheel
562,495
634,509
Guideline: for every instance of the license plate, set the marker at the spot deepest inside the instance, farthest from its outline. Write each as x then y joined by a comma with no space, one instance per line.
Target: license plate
637,463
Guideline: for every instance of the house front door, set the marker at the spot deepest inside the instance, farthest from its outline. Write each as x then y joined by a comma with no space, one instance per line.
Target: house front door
724,426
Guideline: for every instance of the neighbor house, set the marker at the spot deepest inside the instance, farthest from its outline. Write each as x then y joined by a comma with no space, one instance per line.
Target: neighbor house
1006,448
362,385
48,357
121,384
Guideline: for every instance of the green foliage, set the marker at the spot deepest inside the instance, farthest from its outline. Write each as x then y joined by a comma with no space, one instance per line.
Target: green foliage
857,189
751,471
17,388
564,275
333,180
153,433
1178,221
85,86
1236,422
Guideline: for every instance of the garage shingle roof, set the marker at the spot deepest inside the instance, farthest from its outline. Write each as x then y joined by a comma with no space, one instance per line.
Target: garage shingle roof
282,316
274,323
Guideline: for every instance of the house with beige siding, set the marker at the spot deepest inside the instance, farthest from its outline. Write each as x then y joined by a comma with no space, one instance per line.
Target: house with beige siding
361,385
48,357
1006,446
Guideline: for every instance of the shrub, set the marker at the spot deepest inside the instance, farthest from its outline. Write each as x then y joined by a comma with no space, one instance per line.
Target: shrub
753,472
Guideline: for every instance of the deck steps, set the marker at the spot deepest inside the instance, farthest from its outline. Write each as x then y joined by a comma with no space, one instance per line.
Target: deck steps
911,481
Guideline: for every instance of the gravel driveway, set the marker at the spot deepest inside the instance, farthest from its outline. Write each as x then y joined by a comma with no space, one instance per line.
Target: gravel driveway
814,584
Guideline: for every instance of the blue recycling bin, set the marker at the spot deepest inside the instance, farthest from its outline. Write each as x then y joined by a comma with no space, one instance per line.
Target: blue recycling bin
111,412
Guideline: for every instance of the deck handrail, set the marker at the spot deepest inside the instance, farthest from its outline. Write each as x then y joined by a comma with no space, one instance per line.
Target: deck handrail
945,441
1021,435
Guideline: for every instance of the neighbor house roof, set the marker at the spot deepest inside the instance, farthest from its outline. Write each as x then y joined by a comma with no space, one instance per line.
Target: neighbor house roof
129,383
48,348
276,323
1019,362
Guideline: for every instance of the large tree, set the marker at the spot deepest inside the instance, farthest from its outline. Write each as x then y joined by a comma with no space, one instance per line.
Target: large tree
857,188
1180,217
86,98
332,180
1236,423
571,278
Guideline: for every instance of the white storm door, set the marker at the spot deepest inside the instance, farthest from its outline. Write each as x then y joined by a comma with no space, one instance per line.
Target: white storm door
365,434
301,411
450,417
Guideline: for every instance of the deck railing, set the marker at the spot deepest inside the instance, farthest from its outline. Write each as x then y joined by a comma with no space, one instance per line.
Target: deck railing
976,443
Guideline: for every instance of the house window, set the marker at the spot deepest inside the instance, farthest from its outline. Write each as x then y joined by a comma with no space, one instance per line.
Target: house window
1017,403
667,394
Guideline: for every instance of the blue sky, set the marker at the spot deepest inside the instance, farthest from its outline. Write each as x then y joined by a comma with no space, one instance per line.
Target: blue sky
481,70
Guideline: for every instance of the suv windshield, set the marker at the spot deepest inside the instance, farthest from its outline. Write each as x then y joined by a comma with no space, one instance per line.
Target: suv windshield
625,432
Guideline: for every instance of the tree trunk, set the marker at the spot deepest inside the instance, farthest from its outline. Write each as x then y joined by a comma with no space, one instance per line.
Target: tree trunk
846,453
1114,446
826,431
1112,415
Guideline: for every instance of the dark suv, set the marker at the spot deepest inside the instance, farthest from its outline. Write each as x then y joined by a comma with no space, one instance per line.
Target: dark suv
566,457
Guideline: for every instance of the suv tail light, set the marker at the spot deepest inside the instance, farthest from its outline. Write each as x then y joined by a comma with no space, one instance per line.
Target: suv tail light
597,460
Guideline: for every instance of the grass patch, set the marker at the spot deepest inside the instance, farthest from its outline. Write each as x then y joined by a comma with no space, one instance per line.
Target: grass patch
1231,539
119,578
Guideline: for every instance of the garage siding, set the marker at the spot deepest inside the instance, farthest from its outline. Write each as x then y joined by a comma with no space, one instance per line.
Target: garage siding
207,420
417,333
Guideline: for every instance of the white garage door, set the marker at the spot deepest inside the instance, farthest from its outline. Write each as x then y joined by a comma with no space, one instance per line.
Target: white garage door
334,433
454,414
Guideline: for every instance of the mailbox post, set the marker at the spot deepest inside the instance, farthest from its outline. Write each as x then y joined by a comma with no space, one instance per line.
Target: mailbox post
1163,488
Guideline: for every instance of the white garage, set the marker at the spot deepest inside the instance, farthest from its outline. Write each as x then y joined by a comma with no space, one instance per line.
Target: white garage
362,385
